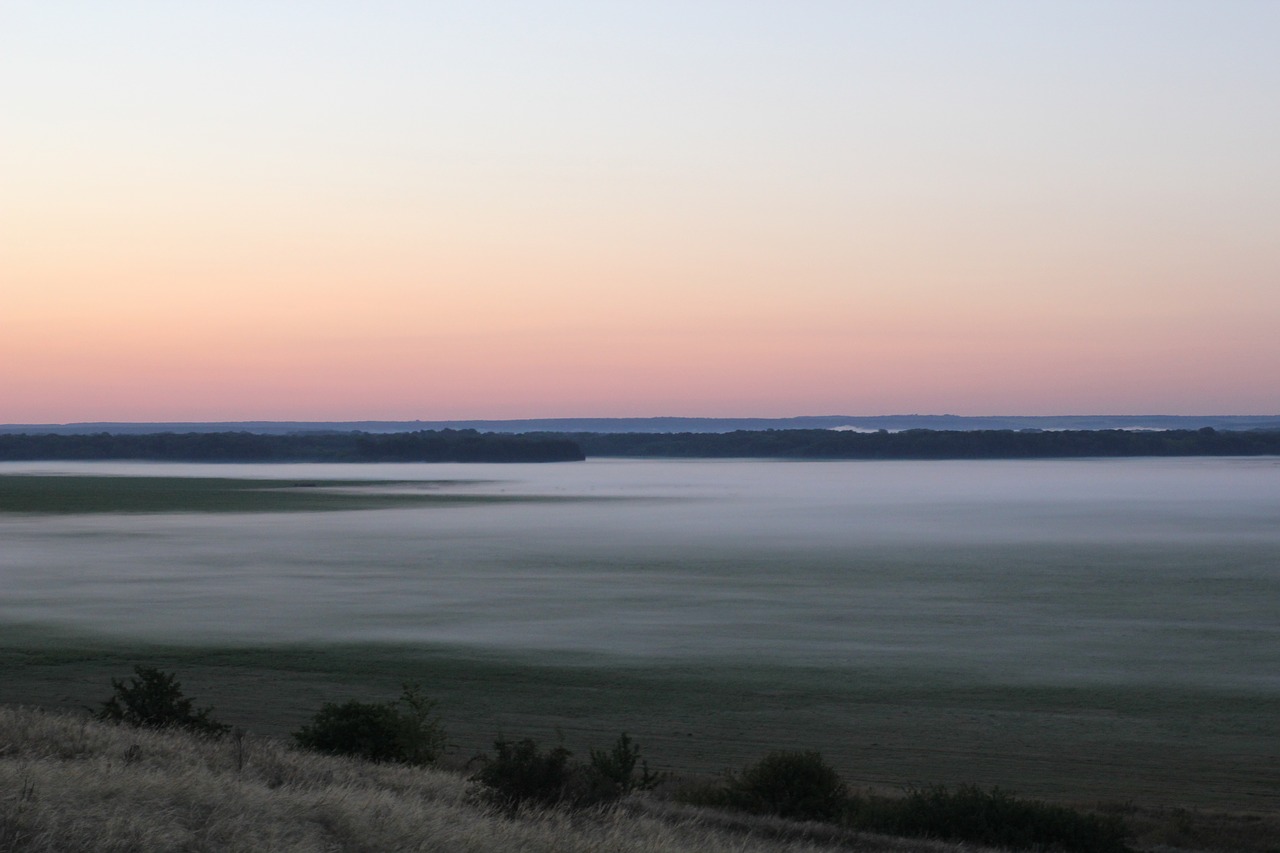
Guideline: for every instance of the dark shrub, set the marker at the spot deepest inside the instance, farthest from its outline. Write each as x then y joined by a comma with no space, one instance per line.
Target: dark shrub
991,817
794,785
521,773
367,730
154,700
403,731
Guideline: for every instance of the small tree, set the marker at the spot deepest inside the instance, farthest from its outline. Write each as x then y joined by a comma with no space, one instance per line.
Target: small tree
421,733
154,700
377,731
617,767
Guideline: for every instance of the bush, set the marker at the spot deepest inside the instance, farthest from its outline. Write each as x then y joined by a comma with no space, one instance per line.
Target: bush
993,818
404,731
520,773
801,786
793,785
154,700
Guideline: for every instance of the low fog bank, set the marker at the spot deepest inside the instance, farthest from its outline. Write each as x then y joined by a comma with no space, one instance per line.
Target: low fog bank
1108,571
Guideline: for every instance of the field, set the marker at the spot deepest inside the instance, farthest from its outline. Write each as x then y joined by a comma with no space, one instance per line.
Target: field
77,495
1215,752
1154,703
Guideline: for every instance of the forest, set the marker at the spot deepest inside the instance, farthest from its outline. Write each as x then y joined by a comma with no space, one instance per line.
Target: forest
931,444
422,446
468,445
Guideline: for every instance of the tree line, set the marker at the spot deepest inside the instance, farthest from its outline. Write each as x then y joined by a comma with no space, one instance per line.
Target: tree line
468,445
931,444
422,446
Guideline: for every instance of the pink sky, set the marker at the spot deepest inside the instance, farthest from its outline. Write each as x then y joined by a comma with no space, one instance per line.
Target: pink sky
407,213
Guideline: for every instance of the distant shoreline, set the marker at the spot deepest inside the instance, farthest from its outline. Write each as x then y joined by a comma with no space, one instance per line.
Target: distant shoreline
473,446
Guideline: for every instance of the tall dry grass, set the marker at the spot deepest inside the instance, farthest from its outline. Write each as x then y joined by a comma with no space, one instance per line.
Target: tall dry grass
69,784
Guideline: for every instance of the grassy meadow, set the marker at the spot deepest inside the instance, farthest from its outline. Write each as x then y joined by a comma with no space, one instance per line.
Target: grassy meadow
1165,749
69,785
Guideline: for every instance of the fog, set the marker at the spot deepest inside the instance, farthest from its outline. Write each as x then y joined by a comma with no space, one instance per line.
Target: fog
1079,571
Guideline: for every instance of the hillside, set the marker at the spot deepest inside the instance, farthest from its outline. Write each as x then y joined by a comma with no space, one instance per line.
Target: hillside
70,785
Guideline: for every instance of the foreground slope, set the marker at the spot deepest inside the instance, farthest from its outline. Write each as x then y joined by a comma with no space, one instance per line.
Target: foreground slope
69,784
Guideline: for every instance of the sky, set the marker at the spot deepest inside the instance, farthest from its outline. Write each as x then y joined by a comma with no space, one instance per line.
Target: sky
327,210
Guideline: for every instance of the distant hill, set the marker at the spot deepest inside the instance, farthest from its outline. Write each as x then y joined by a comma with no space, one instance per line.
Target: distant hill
892,423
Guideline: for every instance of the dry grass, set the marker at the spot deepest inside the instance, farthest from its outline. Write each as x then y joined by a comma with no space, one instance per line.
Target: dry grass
68,784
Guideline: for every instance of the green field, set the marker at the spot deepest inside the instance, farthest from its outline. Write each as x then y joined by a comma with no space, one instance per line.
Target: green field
78,494
1156,747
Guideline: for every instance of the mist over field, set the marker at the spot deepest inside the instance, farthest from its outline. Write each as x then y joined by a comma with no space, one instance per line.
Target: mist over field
1143,571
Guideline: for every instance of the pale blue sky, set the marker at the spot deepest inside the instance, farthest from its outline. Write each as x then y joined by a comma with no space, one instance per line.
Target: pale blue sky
903,181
